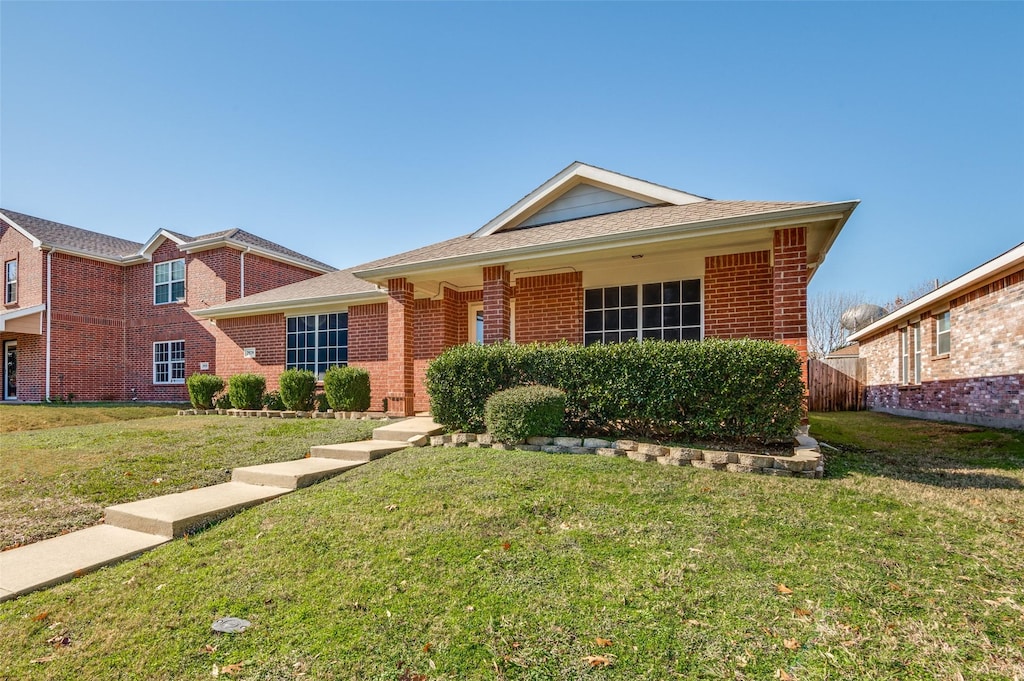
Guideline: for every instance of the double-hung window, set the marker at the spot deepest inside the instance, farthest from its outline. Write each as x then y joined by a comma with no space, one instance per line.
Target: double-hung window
11,282
316,342
917,352
169,282
669,310
169,362
904,356
942,333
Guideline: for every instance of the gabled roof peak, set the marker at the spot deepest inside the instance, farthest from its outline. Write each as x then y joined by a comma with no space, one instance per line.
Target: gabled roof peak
613,192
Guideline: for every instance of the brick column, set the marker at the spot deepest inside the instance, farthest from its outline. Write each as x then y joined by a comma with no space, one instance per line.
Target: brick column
497,304
789,290
401,312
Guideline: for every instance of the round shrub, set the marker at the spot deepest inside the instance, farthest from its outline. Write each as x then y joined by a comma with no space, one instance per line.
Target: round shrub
347,388
202,388
272,401
515,414
297,388
246,391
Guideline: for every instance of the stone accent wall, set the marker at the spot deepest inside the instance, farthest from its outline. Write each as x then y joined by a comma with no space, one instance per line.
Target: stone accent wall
980,381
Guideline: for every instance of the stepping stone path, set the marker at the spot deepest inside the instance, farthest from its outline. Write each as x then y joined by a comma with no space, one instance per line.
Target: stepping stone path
132,528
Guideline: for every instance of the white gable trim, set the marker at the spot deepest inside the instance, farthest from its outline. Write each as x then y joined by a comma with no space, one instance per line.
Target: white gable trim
36,243
579,173
154,243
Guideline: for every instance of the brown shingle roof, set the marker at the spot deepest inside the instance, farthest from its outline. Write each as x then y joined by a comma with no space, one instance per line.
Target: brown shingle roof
73,238
333,284
626,221
251,239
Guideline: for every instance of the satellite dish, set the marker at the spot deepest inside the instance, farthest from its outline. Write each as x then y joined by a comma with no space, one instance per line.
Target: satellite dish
859,316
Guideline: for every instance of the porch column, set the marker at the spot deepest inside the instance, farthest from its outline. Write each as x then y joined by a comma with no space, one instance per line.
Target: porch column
789,290
400,348
497,304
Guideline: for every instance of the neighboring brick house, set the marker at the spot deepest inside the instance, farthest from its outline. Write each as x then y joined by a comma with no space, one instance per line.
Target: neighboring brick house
104,318
589,256
954,354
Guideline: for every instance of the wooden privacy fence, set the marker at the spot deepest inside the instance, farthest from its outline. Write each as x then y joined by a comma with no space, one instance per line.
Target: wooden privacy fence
836,384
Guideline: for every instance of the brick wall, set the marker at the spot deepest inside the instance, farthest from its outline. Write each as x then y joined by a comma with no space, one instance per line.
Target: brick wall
266,333
31,269
549,308
497,296
368,346
738,296
263,274
981,380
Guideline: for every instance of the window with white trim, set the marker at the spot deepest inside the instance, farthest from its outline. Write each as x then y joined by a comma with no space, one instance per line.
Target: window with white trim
169,282
11,281
917,352
669,310
904,356
169,362
942,333
317,342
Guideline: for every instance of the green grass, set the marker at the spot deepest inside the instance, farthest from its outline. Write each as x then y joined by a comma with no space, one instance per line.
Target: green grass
18,417
59,479
479,564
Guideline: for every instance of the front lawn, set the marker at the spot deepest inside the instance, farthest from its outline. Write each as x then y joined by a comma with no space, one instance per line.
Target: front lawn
481,564
18,417
60,479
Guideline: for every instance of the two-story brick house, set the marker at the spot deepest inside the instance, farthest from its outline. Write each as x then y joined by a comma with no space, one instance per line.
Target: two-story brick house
590,256
104,318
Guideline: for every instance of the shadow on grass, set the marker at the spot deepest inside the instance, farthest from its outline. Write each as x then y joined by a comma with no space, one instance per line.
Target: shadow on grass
947,455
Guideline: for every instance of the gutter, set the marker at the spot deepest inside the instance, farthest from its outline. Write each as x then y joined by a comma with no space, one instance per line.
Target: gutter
653,235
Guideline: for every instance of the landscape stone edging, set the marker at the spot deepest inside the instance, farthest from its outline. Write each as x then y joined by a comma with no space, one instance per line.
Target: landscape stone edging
268,413
805,462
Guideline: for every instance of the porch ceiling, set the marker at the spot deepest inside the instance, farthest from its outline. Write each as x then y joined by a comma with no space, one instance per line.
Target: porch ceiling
26,320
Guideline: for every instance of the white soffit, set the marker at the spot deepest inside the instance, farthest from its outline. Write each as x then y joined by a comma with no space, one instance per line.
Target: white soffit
606,192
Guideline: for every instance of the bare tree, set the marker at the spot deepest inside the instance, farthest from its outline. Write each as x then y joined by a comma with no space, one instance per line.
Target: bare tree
824,310
911,294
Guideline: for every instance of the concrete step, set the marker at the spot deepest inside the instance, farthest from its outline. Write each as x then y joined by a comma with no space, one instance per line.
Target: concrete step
407,428
367,450
293,474
173,515
56,560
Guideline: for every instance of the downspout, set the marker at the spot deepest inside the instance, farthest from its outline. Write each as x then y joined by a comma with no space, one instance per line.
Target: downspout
49,310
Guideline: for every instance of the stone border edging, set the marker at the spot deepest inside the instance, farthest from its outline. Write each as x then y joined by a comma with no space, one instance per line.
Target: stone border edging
805,462
267,413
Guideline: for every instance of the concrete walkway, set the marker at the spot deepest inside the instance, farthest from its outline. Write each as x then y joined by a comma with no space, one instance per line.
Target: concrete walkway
132,528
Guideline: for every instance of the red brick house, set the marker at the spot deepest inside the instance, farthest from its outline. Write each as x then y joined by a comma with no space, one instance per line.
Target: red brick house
589,256
104,318
954,354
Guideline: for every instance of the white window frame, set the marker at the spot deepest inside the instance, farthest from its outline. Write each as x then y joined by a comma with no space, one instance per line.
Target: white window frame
917,352
299,345
905,356
939,332
10,284
170,363
171,281
641,306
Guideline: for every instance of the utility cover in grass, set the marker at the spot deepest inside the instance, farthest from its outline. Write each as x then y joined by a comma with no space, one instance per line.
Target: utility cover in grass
231,625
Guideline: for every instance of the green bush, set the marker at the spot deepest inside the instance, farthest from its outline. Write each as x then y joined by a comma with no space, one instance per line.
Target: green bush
272,401
347,388
246,391
321,402
711,388
223,401
515,414
202,389
297,389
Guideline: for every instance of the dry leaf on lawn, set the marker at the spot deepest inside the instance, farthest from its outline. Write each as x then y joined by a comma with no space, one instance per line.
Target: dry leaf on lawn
783,589
598,660
791,643
603,642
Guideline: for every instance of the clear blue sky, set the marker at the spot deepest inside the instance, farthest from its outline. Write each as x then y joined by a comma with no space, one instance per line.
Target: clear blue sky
353,131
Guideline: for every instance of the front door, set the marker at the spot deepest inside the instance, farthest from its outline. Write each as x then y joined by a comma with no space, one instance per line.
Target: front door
11,370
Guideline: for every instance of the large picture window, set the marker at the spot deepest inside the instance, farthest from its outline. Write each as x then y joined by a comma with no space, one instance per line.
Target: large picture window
316,342
668,310
169,362
169,282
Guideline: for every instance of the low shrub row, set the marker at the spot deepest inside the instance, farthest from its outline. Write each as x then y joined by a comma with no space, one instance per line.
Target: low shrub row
345,389
707,389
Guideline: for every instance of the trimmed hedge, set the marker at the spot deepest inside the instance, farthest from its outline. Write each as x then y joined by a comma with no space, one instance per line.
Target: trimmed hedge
202,389
347,388
515,414
246,391
297,388
706,389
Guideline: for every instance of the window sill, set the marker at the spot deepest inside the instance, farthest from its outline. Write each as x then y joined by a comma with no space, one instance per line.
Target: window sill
944,355
911,387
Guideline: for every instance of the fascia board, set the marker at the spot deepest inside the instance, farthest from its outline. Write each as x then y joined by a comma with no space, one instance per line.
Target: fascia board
36,243
295,305
833,235
835,211
997,266
146,252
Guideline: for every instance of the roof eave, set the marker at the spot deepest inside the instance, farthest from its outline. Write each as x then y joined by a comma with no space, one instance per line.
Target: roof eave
36,242
294,304
206,244
837,211
993,268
